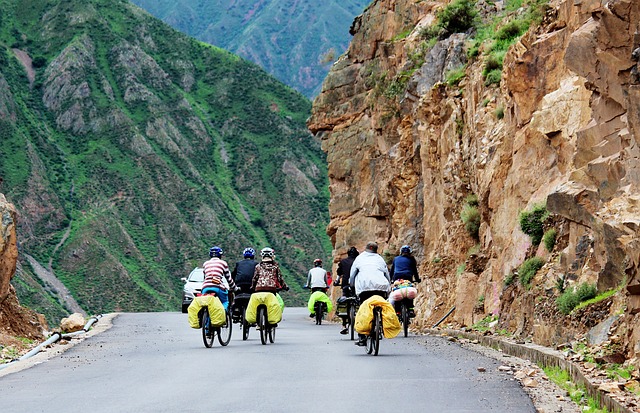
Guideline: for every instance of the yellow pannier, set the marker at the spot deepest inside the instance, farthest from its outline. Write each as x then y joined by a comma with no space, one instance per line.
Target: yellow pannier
204,302
390,324
274,310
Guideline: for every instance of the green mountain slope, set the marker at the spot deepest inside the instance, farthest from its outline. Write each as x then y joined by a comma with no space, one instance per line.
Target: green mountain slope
129,149
294,40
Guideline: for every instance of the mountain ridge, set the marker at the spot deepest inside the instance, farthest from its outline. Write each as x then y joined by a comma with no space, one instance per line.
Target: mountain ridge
293,40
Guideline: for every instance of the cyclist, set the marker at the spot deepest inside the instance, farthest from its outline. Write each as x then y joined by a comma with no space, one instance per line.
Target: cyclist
267,276
317,277
369,276
405,267
343,271
214,271
243,272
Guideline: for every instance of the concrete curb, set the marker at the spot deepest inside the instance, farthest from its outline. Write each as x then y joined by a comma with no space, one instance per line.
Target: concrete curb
542,356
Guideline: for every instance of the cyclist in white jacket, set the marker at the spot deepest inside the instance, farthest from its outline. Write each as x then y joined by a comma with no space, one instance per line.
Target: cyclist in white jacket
369,276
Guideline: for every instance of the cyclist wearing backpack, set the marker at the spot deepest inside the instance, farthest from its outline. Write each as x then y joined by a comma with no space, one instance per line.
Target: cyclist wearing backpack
267,276
405,267
214,271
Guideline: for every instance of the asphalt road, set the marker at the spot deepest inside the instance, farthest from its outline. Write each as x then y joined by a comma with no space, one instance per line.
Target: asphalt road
154,362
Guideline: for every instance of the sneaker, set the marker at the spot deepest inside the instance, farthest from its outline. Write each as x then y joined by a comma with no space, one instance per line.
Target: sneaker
361,343
311,315
412,313
344,331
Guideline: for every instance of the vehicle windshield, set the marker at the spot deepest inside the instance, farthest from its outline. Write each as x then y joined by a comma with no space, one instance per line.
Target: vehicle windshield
197,275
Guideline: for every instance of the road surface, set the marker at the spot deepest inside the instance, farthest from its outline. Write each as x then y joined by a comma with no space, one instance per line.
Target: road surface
154,362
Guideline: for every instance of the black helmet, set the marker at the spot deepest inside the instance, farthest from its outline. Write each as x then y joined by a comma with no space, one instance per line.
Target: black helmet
353,252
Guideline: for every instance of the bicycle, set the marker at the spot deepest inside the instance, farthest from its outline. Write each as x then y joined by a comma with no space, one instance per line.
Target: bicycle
209,332
373,340
347,309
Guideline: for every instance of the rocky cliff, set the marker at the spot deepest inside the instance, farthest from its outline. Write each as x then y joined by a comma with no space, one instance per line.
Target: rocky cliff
15,321
410,145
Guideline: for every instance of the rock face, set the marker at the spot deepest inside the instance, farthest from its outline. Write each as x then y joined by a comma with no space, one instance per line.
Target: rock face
560,129
15,321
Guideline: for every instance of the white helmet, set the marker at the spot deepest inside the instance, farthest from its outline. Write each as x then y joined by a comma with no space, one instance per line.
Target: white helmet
267,252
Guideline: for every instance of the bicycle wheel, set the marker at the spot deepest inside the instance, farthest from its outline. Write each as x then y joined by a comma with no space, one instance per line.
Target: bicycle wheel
272,334
262,324
376,332
224,331
405,319
318,310
245,325
208,332
352,320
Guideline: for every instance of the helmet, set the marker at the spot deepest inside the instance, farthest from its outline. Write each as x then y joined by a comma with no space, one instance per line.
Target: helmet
405,249
267,252
249,252
353,252
317,262
215,252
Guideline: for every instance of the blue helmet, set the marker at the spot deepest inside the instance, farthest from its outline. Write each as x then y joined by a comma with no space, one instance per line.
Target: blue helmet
405,249
249,252
215,252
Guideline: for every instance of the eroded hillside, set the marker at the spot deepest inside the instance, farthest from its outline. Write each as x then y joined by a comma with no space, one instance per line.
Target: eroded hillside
456,137
129,149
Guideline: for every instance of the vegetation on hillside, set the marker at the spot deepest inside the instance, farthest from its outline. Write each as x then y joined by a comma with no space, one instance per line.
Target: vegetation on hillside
297,44
135,148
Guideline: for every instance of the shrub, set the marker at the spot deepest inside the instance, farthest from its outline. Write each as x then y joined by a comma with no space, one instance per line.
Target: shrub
470,215
567,302
511,30
499,110
531,222
458,17
586,291
528,270
455,76
39,61
570,299
509,279
549,239
471,199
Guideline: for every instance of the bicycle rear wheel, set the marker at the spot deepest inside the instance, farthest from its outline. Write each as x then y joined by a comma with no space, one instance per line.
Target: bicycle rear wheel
262,324
208,332
272,334
318,311
405,319
373,345
224,331
245,325
352,320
